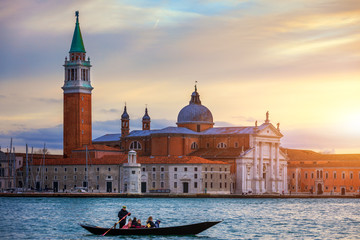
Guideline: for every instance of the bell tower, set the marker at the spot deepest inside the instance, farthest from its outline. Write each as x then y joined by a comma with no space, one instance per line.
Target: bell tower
77,95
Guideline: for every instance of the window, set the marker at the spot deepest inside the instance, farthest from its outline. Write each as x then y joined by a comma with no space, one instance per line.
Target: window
195,176
162,176
154,169
175,184
75,177
194,145
185,169
153,184
306,175
143,169
132,172
220,185
312,175
343,175
55,177
211,185
225,185
211,176
162,169
293,175
45,169
351,175
162,184
195,184
207,145
85,169
195,169
221,145
225,176
205,176
175,176
236,145
206,185
225,169
206,169
220,176
154,176
175,169
109,169
65,169
97,169
135,145
334,175
97,178
326,175
75,169
55,169
64,177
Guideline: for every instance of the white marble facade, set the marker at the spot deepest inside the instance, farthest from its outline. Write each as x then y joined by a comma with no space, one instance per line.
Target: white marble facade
262,168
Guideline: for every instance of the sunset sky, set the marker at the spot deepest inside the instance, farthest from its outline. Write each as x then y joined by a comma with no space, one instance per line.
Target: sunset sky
298,59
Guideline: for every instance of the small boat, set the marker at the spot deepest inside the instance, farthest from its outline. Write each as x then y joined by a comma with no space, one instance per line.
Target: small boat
190,229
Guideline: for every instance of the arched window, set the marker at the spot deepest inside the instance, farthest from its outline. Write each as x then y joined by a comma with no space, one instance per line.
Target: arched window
194,145
236,144
135,145
221,145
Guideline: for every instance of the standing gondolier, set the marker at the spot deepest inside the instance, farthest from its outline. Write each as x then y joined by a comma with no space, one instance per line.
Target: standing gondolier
122,215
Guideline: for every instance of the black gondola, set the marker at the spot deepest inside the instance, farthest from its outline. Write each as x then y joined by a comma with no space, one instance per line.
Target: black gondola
190,229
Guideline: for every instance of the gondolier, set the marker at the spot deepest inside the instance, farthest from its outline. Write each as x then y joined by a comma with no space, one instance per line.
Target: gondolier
122,216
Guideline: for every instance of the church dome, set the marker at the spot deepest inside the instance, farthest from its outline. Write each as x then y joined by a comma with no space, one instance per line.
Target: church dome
195,112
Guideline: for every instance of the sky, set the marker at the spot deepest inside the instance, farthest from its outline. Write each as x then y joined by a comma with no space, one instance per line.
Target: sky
298,59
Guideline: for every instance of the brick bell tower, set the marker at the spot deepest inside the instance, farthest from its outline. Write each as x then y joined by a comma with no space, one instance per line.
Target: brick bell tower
77,95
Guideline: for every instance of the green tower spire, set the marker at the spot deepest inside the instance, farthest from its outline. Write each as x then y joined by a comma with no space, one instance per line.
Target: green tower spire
77,44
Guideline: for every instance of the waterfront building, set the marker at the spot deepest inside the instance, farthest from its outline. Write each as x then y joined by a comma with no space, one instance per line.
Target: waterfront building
329,174
10,163
117,172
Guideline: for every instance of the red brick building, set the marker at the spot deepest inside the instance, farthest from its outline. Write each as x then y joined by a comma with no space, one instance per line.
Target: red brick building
316,173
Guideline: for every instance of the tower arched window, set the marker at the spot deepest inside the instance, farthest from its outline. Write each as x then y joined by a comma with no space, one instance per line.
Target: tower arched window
135,145
194,145
221,145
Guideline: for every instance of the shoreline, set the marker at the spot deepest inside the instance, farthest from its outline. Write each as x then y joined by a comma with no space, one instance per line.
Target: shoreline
124,195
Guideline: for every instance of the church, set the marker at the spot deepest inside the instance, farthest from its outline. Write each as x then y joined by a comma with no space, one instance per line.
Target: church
193,157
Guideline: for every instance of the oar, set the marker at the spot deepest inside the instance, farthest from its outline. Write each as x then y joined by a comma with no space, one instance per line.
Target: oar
115,224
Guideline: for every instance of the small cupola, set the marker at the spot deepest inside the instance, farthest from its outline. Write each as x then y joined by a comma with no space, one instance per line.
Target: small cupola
146,120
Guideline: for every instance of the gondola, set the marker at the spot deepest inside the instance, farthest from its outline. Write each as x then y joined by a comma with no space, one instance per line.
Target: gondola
190,229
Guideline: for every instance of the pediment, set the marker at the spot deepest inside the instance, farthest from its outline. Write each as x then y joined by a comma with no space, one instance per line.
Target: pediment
268,130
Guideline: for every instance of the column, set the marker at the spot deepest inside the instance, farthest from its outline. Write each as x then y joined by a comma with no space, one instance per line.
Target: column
277,173
255,179
261,168
272,151
240,177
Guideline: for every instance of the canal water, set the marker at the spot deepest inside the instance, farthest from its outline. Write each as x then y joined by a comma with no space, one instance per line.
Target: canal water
58,218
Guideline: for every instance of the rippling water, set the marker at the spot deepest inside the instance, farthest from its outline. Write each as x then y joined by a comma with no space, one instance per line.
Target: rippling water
58,218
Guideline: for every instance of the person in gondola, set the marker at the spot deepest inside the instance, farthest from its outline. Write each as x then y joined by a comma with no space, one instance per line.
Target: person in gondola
134,223
157,223
138,225
150,223
122,215
128,225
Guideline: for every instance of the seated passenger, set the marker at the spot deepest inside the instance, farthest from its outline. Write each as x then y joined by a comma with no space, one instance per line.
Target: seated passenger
138,225
157,223
134,223
128,225
150,223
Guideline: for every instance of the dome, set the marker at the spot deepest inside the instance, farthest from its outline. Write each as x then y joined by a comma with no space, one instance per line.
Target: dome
195,113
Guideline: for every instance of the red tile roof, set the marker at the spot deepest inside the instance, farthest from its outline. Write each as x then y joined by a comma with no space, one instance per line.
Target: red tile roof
122,158
307,155
218,153
97,147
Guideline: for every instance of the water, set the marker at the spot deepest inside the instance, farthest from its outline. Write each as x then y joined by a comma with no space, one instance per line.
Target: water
58,218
